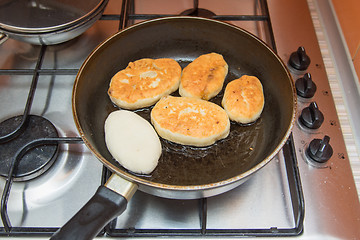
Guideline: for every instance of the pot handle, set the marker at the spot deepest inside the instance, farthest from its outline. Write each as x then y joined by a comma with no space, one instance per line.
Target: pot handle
108,202
3,38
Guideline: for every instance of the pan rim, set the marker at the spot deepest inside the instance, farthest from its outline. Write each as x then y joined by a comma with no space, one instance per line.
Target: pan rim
135,179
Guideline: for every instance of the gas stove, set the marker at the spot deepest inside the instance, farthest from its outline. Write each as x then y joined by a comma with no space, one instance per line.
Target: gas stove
307,191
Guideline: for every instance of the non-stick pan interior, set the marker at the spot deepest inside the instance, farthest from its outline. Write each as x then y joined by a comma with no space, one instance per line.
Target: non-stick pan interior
184,39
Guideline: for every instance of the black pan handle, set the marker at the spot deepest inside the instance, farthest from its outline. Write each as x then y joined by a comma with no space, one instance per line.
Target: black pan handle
108,202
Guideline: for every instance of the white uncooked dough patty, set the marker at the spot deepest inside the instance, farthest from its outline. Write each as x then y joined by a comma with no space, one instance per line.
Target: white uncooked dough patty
132,141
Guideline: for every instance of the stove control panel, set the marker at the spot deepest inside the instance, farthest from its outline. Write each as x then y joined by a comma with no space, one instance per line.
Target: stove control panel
316,121
319,146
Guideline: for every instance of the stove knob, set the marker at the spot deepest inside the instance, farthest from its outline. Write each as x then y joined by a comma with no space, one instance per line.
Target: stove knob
299,59
320,150
311,116
305,86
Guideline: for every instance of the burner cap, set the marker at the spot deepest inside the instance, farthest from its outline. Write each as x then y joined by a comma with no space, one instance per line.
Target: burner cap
198,12
37,160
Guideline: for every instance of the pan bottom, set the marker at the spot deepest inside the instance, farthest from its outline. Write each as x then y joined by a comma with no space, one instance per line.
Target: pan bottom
182,165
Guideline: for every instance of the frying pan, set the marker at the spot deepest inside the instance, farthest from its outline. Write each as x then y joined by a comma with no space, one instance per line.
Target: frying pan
183,172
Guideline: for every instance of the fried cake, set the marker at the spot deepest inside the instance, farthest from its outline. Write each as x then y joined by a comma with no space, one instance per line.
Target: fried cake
243,99
143,82
190,121
204,77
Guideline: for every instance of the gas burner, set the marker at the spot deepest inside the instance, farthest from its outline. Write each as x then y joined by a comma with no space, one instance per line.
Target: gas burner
35,161
198,12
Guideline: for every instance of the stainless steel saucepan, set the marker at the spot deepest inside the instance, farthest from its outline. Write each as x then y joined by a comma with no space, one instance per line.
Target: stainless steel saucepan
47,22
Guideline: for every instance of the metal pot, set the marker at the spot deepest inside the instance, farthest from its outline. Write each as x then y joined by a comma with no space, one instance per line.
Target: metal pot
47,22
183,172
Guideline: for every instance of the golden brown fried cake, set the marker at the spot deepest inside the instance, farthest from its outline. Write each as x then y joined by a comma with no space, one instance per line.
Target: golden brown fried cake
143,82
243,99
204,77
190,121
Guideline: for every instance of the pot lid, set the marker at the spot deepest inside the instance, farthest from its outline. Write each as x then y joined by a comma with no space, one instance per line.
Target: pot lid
33,16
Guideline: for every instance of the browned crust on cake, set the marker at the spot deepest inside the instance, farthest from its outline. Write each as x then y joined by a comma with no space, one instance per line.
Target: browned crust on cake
143,82
190,121
204,77
243,99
